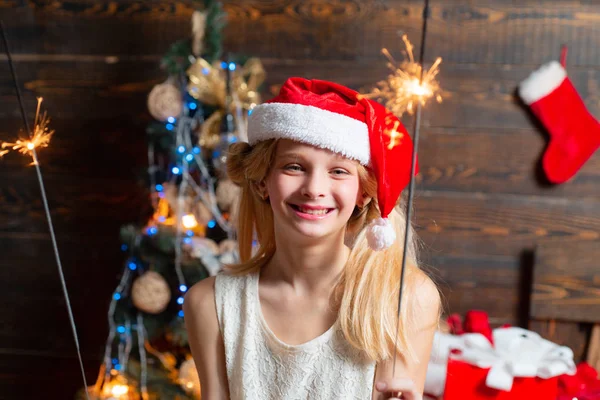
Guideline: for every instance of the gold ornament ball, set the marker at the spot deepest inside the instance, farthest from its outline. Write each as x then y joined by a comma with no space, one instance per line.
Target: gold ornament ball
150,293
165,101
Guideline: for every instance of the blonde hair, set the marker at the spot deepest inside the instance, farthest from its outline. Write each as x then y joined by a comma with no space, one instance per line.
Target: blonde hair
368,289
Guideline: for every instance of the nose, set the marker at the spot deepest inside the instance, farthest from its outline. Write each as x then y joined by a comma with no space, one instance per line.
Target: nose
314,185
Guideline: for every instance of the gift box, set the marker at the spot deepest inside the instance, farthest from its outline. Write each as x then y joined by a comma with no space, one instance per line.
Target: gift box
468,382
519,365
584,385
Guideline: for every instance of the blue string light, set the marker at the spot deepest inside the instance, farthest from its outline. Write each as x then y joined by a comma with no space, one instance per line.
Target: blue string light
190,233
181,149
206,71
121,329
192,106
161,195
187,240
162,219
182,288
171,120
250,111
159,188
212,223
175,170
169,127
180,313
189,157
152,231
180,300
232,66
223,64
124,247
132,266
117,296
196,150
118,367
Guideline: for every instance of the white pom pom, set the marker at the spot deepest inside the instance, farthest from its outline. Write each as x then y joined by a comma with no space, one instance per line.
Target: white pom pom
380,234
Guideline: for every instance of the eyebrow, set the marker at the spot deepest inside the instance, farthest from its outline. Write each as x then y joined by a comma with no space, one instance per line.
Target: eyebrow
296,156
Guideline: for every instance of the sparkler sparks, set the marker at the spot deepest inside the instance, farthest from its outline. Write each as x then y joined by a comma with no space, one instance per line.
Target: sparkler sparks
40,138
403,88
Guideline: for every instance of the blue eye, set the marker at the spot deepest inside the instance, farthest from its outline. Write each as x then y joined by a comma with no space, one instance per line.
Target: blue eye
293,167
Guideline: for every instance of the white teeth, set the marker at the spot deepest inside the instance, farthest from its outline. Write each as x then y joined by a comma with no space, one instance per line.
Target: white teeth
313,212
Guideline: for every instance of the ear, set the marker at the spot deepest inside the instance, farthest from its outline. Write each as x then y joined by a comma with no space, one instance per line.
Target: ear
261,188
363,200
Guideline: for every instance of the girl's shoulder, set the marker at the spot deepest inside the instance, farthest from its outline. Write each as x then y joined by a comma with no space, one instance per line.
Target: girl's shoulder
200,298
204,291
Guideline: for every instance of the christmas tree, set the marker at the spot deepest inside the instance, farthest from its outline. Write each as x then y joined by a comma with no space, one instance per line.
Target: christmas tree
199,111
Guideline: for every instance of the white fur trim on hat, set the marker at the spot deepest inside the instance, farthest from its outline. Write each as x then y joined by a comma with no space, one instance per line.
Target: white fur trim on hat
307,124
380,234
542,82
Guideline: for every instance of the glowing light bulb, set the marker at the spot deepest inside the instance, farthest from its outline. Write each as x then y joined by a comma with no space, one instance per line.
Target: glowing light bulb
189,221
119,390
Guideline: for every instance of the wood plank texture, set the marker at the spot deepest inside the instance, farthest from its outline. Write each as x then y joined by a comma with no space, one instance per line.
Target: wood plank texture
482,206
566,282
479,224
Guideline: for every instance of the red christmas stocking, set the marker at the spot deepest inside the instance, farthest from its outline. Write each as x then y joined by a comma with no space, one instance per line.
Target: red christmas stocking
574,132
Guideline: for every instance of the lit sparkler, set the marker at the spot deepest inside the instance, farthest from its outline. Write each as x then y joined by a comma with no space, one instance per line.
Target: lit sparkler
40,137
403,88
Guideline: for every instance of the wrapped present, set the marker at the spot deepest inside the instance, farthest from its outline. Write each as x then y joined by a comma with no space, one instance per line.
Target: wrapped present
584,385
475,322
468,382
519,365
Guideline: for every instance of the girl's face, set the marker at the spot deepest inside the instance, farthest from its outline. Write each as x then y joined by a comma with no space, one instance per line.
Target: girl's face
312,191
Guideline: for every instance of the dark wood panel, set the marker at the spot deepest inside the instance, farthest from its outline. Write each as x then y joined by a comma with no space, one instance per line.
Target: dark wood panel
31,285
34,375
294,29
491,284
84,149
480,224
496,161
566,283
478,32
77,205
509,32
81,89
485,96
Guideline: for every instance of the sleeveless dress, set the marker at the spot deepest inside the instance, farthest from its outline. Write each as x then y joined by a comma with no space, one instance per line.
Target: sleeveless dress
262,367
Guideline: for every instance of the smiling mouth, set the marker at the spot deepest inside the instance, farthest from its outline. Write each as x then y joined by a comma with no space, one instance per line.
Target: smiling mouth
309,211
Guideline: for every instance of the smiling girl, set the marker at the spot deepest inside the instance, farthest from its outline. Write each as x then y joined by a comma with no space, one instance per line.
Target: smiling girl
311,312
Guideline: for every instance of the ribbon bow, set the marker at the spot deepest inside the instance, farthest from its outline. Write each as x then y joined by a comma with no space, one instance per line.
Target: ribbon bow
516,352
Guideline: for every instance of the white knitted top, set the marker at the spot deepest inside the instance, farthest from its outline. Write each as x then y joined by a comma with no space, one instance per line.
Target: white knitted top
262,367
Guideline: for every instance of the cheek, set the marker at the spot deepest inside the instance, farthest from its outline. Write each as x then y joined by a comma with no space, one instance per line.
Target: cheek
280,186
348,193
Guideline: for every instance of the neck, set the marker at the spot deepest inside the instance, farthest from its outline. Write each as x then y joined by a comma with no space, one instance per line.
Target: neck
308,267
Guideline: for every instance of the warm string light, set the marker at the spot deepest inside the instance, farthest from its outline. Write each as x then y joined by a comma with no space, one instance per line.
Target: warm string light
40,137
404,88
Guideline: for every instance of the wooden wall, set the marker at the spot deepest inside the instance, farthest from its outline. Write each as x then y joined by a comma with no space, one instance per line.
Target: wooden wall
482,204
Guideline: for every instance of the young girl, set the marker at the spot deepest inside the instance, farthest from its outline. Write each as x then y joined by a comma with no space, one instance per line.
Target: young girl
311,312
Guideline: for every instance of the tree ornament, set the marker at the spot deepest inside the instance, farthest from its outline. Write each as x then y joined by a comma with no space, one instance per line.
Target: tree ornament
150,293
165,101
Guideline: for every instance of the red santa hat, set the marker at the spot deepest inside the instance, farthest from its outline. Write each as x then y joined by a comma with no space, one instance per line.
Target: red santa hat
334,117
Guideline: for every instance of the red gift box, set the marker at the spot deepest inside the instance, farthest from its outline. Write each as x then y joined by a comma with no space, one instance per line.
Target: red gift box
584,385
467,382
